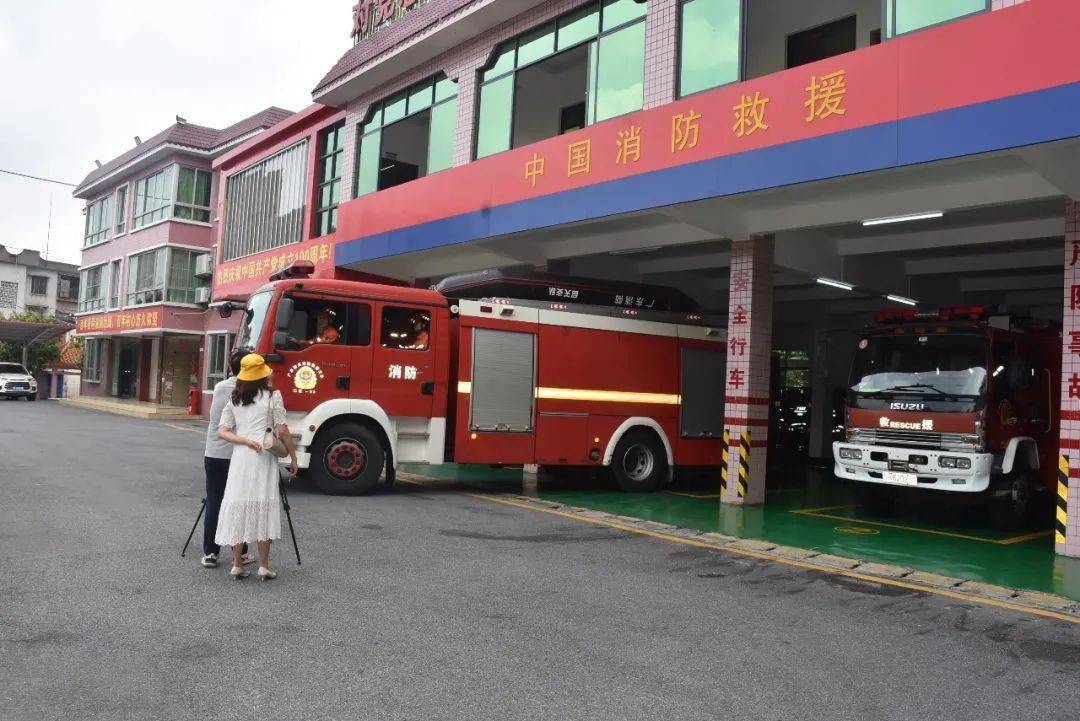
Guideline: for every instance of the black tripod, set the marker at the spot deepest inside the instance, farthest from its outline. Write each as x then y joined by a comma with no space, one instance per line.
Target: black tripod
288,516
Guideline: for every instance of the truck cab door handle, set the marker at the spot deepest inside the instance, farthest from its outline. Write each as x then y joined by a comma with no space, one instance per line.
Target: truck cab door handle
343,383
427,388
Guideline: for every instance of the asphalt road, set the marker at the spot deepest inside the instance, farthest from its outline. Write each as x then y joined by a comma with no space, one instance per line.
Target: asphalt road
424,604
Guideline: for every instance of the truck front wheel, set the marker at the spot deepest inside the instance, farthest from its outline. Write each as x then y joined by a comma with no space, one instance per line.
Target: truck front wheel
1011,501
347,459
639,462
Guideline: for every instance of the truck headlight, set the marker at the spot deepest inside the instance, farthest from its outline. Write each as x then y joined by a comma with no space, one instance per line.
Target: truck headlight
954,462
851,454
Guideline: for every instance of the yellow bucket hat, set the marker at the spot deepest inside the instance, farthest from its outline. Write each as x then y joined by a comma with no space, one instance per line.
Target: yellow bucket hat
253,368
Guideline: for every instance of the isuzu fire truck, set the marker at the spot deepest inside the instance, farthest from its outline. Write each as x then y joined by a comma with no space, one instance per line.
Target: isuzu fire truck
955,401
490,369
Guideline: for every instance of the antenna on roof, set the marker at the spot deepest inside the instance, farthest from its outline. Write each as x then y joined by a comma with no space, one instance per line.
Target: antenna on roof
181,120
97,162
138,140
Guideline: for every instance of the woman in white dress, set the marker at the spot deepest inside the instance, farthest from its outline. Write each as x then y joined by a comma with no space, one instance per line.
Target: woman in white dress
250,508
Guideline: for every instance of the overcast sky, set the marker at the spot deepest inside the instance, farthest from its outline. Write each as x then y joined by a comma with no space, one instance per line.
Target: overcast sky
80,79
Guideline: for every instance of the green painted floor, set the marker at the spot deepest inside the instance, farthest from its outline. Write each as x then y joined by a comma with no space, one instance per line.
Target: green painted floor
812,510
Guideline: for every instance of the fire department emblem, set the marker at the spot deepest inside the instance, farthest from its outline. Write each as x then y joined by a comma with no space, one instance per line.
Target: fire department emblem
305,376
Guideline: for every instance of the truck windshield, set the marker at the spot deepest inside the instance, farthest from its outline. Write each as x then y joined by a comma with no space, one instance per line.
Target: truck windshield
943,366
254,320
13,368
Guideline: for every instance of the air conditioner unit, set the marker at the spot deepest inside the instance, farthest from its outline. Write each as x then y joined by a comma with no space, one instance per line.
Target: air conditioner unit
202,296
204,266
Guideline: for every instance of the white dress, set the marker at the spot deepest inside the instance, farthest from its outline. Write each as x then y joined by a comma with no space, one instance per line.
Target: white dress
251,506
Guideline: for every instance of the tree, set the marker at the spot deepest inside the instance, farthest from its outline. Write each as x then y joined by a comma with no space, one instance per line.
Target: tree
41,353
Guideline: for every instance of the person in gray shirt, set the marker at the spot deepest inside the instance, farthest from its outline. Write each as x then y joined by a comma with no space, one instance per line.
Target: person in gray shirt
216,459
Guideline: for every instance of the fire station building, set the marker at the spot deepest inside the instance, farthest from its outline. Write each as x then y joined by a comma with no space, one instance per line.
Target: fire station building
795,165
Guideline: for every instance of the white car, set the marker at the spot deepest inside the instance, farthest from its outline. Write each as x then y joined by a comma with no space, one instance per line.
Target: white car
16,382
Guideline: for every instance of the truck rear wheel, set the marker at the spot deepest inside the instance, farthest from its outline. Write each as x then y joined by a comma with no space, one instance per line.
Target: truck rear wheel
639,462
347,459
1011,501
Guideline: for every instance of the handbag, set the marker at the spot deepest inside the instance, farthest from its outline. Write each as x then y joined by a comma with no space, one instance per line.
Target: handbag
271,443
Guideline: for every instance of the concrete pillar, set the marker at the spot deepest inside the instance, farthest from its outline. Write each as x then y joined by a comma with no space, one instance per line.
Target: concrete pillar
1067,522
746,401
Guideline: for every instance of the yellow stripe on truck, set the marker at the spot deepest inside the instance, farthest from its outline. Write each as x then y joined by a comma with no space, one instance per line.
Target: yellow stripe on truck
586,394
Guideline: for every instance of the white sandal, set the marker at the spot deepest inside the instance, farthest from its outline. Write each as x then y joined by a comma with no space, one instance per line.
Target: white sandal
265,574
238,572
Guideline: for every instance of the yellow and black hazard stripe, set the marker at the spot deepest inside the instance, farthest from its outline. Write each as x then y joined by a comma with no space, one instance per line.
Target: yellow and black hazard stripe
1061,521
744,463
724,461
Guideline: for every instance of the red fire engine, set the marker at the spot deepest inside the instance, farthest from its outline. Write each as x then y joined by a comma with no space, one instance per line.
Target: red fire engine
955,401
569,372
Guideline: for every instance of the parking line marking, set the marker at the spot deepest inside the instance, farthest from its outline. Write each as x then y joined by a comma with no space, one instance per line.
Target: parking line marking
814,512
808,565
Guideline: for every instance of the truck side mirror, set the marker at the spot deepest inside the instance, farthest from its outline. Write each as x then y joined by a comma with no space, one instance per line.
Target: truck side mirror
282,342
285,309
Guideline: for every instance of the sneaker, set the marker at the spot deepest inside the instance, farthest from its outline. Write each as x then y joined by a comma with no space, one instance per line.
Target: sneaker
247,559
238,572
209,560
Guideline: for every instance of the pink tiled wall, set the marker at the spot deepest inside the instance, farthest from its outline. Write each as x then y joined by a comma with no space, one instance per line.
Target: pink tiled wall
661,49
1070,369
746,405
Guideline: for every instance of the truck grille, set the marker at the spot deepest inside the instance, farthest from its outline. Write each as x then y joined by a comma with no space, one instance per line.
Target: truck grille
915,439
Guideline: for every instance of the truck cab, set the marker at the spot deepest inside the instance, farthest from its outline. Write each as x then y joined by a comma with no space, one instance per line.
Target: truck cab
363,369
956,402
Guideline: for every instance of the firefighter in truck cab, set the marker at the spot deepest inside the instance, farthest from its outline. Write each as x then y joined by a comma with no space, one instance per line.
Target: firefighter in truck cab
955,402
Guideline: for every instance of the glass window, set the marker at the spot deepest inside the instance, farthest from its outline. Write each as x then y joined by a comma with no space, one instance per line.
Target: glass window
318,321
218,346
93,289
367,167
536,45
395,109
405,328
146,277
39,285
328,194
908,15
193,195
92,360
154,197
620,79
98,217
496,109
264,203
254,320
115,283
68,288
588,65
420,98
416,136
182,282
120,221
709,47
504,62
620,12
443,135
579,26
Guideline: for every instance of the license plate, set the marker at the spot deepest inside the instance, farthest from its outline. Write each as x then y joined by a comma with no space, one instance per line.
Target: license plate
900,479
